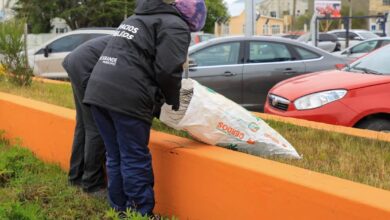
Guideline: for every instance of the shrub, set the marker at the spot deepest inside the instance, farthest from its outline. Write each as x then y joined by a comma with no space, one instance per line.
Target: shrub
11,46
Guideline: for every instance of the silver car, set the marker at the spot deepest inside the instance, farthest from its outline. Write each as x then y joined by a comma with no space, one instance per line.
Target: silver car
326,41
360,49
355,36
244,68
46,60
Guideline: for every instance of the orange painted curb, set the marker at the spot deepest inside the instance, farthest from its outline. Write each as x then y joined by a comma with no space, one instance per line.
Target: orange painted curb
198,181
46,129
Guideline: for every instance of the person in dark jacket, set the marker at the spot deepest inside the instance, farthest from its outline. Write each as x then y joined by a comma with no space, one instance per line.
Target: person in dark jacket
140,67
87,158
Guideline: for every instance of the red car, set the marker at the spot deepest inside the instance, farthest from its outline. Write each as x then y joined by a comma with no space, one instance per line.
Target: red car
356,96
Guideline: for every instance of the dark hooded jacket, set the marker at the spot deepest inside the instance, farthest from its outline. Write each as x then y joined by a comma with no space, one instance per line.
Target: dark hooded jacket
142,63
80,62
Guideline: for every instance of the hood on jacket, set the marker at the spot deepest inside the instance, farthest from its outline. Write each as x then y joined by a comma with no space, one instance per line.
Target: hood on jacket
193,12
148,7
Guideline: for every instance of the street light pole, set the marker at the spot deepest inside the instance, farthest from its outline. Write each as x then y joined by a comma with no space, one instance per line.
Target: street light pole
125,14
350,13
293,15
250,17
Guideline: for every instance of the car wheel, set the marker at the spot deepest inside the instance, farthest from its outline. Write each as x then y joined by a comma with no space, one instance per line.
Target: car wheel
376,124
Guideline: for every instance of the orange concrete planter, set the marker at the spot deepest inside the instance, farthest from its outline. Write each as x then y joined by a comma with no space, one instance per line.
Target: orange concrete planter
197,181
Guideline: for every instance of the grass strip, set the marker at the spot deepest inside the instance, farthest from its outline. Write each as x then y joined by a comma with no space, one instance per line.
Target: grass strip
31,189
358,159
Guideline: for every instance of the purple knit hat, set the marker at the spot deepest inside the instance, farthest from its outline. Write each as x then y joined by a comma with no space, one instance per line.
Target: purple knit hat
194,12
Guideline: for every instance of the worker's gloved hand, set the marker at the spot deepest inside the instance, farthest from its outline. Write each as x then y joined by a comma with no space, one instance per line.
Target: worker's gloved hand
174,101
175,107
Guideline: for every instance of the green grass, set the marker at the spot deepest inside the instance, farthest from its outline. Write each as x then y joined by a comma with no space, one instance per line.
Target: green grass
31,189
358,159
57,94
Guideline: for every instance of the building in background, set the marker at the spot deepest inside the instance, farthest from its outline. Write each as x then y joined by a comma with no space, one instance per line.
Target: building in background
265,25
283,9
370,7
280,8
365,7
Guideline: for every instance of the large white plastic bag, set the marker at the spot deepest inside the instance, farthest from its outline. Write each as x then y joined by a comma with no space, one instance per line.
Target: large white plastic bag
213,119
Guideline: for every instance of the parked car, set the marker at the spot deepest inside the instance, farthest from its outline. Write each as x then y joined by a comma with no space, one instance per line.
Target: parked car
198,37
356,96
244,68
355,36
380,34
46,60
292,35
360,49
327,42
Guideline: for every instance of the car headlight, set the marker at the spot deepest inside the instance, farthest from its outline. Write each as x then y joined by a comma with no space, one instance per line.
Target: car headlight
319,99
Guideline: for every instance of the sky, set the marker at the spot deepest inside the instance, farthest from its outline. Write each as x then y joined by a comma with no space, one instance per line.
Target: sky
231,1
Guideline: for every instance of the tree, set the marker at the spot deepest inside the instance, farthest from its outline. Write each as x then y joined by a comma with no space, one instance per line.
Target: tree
76,13
38,13
356,23
302,20
216,12
95,13
14,63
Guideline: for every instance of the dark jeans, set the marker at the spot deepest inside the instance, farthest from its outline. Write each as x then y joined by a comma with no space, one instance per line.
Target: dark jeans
129,162
87,159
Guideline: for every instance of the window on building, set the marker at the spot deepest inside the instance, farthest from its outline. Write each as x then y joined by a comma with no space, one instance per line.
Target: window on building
225,29
265,29
275,29
386,2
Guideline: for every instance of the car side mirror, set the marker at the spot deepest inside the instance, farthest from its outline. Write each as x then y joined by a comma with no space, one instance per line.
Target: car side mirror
46,51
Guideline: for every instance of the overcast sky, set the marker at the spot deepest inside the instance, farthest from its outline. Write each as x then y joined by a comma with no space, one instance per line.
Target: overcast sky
231,1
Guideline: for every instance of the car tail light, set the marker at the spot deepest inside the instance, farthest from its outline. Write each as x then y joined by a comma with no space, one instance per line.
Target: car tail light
340,66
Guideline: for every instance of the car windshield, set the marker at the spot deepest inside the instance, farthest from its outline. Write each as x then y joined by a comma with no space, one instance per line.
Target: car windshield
368,35
304,38
374,63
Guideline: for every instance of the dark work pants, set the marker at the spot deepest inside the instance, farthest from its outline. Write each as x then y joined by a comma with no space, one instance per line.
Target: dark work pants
129,162
88,152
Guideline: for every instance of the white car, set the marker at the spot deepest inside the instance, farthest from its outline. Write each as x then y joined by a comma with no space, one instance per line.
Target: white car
327,42
355,36
46,60
362,48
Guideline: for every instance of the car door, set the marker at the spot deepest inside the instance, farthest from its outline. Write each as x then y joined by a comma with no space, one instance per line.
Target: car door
383,43
362,49
266,63
219,67
50,64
